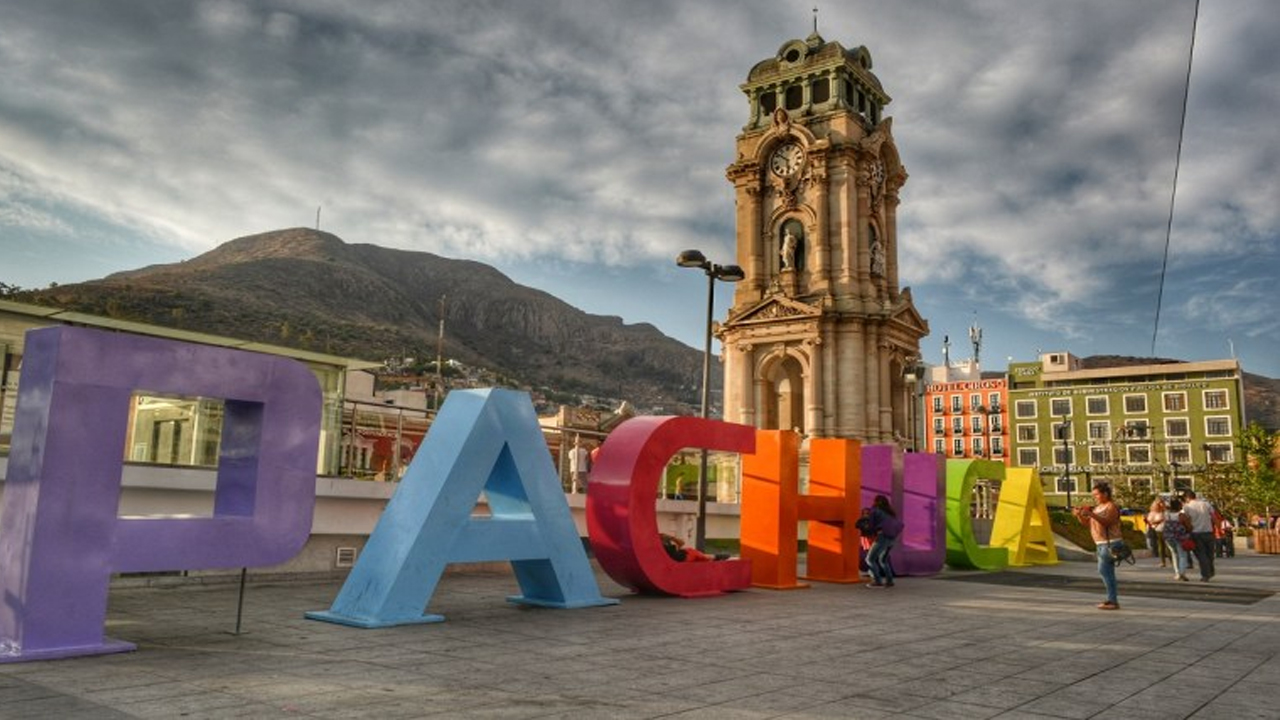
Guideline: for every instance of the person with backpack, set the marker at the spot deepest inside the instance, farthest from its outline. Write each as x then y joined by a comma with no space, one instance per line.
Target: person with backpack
886,526
1177,535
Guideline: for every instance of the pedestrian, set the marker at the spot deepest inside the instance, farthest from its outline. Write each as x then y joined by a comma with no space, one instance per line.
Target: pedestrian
1201,515
886,525
579,464
1155,531
1103,519
1227,538
1177,535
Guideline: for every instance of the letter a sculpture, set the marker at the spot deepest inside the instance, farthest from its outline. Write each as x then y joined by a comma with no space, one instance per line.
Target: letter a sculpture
482,440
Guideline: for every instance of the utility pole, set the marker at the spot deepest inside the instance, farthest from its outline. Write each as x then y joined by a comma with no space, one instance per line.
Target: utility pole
440,357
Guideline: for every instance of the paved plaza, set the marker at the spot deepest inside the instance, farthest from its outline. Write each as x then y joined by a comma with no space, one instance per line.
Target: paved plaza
1025,644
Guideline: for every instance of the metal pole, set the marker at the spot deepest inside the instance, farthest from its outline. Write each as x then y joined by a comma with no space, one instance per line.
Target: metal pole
700,527
244,572
1066,457
440,356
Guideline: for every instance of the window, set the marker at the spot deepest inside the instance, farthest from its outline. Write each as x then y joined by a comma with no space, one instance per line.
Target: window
821,90
1066,484
957,447
1175,402
1059,407
977,447
1138,454
1063,455
1135,404
1027,433
1099,430
1028,457
1024,409
976,423
993,402
768,102
1215,400
1176,428
1217,426
1217,452
1180,454
957,425
1062,431
940,446
937,404
794,97
1136,429
1097,406
1100,455
939,426
975,402
996,425
997,447
956,404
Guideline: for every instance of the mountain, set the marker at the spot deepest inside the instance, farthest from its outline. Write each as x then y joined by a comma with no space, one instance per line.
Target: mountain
307,289
1261,393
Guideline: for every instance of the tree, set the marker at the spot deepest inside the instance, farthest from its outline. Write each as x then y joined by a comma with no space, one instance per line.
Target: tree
1260,481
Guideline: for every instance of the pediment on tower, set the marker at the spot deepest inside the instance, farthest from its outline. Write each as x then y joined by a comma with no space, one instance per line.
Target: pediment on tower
777,308
905,315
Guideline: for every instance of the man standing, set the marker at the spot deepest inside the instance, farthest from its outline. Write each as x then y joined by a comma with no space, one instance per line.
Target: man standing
1201,515
1103,520
579,464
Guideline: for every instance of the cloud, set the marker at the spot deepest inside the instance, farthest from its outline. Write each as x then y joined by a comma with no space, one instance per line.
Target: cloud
1040,138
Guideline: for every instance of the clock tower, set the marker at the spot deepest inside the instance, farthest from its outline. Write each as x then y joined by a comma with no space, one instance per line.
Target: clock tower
820,335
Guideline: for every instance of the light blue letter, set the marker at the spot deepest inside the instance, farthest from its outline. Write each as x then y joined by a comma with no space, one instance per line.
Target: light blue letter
482,440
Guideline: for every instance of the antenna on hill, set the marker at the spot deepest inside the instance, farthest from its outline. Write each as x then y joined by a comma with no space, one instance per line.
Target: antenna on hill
317,218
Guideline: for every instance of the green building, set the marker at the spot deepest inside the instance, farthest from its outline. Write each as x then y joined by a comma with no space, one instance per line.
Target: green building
1153,426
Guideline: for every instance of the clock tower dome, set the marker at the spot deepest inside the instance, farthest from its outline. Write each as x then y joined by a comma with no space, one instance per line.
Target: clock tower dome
820,335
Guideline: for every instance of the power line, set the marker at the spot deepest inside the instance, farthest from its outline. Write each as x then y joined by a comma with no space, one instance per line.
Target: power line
1177,165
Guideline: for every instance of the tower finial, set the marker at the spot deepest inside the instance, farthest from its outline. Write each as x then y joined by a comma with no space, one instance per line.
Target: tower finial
815,19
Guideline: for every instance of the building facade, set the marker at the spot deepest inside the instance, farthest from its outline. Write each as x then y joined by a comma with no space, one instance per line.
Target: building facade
820,335
968,417
1158,427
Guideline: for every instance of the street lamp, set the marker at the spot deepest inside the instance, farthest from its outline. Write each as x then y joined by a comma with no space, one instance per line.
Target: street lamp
1065,430
727,273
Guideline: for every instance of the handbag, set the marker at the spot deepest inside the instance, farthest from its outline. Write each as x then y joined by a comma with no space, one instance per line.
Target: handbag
1121,552
1188,544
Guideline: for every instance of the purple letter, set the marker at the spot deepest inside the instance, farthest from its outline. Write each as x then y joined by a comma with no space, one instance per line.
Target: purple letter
60,537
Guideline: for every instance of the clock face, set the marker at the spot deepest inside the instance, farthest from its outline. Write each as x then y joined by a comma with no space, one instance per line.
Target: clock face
786,160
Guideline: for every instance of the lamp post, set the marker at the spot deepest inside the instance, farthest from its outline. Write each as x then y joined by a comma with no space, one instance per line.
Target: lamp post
727,273
1065,430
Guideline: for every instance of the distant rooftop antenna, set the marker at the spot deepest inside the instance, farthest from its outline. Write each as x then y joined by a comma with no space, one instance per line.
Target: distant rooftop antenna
815,19
946,351
975,337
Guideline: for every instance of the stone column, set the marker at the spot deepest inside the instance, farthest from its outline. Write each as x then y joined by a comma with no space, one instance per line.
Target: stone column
813,389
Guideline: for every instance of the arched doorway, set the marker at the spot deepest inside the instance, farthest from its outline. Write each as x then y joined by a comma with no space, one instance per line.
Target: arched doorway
782,388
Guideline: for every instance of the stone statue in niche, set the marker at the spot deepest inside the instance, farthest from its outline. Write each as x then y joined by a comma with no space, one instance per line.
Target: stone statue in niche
877,255
789,242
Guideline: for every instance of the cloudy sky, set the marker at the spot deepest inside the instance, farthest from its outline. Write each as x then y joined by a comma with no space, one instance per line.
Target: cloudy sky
579,145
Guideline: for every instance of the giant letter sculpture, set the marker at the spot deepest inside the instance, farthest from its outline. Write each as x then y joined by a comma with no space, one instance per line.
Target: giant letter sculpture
60,537
963,550
621,519
923,548
772,508
482,440
1022,520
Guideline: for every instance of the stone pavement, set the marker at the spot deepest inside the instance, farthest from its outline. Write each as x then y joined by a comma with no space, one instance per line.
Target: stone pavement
929,648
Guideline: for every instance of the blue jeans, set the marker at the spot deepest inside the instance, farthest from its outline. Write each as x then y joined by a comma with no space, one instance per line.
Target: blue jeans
1181,560
1107,570
878,560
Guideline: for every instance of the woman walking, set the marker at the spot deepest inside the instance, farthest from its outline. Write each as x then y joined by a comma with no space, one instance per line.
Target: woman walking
1177,535
1155,531
887,526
